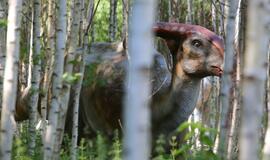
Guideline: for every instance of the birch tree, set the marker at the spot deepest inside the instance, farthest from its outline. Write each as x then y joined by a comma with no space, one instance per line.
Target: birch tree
49,62
214,15
91,8
266,148
137,126
227,78
51,133
233,143
34,73
25,32
2,44
173,10
189,14
72,45
78,85
8,123
254,76
113,20
125,13
75,111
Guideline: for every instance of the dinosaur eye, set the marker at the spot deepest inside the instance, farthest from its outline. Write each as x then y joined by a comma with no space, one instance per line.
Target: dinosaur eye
196,43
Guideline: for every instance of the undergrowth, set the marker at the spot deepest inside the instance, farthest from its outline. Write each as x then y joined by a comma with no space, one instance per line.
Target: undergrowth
198,146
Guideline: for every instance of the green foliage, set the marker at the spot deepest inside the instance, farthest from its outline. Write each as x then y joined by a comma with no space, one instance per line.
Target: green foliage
20,150
82,150
74,62
101,21
64,153
116,149
38,57
24,53
3,23
20,145
71,78
191,150
91,76
174,150
159,150
100,148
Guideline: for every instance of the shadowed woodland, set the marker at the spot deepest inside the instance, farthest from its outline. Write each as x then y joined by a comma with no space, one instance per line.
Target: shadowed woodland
134,79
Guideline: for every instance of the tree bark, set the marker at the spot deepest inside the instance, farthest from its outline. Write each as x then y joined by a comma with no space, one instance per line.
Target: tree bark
113,20
137,126
78,85
233,144
226,85
254,77
266,148
44,43
72,45
173,10
125,12
34,74
189,14
3,33
49,64
51,134
222,17
214,15
8,123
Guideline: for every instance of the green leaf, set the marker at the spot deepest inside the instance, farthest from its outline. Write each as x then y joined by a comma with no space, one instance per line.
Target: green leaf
3,23
189,135
183,126
206,140
71,78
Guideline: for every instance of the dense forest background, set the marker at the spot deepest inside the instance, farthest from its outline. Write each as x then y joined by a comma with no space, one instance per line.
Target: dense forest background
43,50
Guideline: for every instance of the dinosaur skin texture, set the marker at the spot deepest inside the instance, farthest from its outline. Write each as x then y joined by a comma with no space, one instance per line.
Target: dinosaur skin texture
196,53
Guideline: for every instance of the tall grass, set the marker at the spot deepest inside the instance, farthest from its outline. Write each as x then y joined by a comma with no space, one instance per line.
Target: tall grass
101,148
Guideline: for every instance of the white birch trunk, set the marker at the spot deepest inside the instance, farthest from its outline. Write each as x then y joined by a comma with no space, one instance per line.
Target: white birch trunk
34,74
189,14
125,11
51,133
72,44
220,29
113,20
8,123
137,140
173,11
233,147
3,33
90,11
50,58
226,84
254,77
74,140
266,148
169,9
201,14
221,17
214,16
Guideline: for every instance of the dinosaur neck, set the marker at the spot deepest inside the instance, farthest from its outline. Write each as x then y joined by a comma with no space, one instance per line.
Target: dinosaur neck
178,104
184,96
184,92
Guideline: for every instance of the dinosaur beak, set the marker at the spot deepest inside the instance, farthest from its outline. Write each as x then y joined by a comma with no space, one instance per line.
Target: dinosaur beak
216,71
